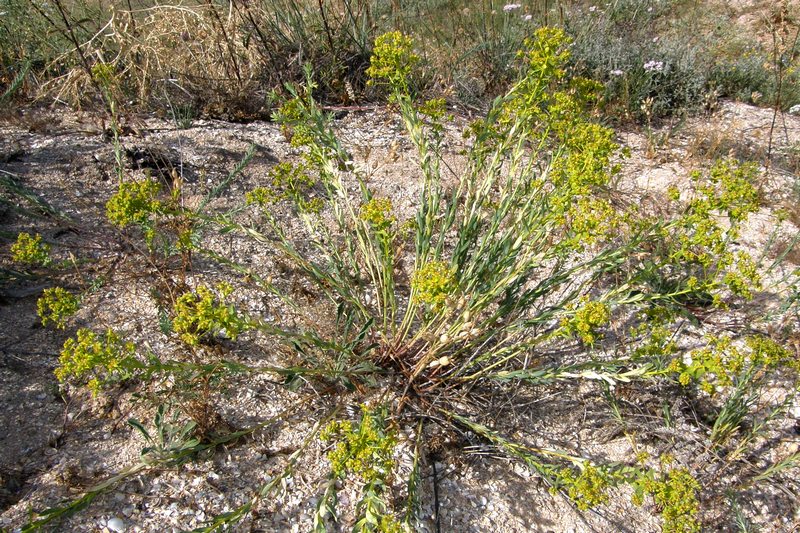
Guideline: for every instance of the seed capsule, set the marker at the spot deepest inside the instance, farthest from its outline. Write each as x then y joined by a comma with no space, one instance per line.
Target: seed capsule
442,361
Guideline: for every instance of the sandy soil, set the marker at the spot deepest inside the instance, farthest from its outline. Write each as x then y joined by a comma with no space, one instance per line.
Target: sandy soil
57,442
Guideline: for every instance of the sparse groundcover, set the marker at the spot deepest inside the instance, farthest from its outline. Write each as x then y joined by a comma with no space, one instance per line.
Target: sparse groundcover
526,274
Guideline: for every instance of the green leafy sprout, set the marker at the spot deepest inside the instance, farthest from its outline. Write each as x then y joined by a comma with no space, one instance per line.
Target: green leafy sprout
291,183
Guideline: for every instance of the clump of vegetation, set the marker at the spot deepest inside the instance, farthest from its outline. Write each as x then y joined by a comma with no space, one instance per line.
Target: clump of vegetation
486,289
364,450
697,260
202,314
588,489
30,250
653,60
587,320
672,58
739,374
393,60
95,359
135,203
56,305
291,183
675,493
433,283
378,213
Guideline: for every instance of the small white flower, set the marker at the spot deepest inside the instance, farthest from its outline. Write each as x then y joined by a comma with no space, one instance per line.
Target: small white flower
617,72
654,66
527,17
592,9
511,7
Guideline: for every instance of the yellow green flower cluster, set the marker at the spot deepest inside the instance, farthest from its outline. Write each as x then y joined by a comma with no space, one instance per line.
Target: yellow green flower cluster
723,364
55,305
30,250
658,345
134,203
364,450
378,213
588,489
105,75
547,53
436,111
698,238
732,190
675,494
591,219
392,60
202,313
292,116
88,353
742,277
554,111
587,320
288,182
586,163
545,57
435,108
432,283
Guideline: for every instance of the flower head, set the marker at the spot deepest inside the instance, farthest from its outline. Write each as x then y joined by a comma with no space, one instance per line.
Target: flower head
30,250
654,66
511,7
392,60
433,282
378,213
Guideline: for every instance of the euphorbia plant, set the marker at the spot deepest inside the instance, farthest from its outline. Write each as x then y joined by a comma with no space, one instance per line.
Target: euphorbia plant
489,279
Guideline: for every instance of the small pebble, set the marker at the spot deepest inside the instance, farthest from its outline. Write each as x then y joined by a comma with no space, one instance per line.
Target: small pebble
116,525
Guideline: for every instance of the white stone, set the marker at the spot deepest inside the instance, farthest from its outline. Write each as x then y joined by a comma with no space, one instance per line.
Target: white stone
116,524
